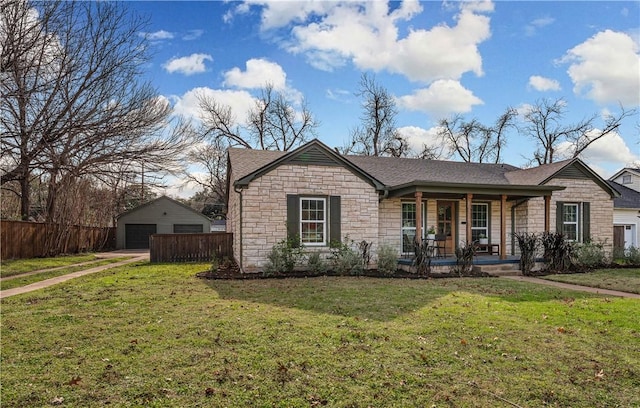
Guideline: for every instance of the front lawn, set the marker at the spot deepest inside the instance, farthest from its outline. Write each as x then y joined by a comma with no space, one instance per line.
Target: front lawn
626,280
155,335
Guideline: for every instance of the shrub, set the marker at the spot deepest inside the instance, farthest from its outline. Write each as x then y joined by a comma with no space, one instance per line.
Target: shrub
422,257
590,255
344,259
316,264
387,260
464,259
283,258
365,253
528,244
557,251
632,256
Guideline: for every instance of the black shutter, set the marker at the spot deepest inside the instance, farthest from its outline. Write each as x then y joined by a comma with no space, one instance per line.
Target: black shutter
586,222
334,219
293,217
559,213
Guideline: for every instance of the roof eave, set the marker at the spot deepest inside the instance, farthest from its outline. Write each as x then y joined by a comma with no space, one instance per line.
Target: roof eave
465,188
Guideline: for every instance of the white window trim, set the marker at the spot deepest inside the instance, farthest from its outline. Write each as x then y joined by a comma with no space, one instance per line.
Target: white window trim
323,222
577,222
485,230
626,179
403,228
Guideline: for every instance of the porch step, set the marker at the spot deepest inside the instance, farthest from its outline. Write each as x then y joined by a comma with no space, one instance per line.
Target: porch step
509,269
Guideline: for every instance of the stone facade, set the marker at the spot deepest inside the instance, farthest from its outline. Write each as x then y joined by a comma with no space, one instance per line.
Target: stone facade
264,208
530,216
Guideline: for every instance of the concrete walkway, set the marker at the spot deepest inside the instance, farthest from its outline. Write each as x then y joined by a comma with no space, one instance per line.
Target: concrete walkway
570,286
137,256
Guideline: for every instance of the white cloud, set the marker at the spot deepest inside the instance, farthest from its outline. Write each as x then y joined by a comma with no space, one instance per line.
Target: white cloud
367,35
239,101
258,73
440,99
192,64
532,28
605,68
158,35
543,84
193,35
418,137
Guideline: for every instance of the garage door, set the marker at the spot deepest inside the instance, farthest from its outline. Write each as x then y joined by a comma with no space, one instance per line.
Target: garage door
137,235
187,228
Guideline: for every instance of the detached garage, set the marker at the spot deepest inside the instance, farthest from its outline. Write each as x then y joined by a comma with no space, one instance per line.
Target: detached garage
160,216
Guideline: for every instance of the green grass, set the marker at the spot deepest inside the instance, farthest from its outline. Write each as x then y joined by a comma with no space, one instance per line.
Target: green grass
26,280
156,336
626,280
18,266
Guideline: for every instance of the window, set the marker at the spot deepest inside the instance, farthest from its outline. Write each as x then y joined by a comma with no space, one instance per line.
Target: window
574,220
313,224
570,221
479,221
313,221
626,179
409,218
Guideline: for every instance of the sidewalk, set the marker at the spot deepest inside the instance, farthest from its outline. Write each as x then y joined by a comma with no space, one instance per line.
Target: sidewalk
137,256
570,286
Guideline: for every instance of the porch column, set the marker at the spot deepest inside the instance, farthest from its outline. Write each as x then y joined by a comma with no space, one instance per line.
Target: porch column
419,216
547,213
503,226
468,225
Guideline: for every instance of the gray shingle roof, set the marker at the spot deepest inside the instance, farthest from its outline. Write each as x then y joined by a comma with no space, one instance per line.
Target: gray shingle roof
393,171
536,175
629,198
246,161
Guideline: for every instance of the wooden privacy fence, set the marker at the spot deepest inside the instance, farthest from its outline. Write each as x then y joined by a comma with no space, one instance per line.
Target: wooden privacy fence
22,239
190,247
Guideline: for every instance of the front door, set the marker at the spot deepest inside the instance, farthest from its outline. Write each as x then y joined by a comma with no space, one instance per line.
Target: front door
447,224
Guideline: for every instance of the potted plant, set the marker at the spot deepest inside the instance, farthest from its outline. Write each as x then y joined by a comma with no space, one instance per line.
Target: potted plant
483,240
431,232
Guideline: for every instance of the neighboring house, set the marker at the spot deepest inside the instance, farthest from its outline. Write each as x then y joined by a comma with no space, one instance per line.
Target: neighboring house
318,196
626,212
160,216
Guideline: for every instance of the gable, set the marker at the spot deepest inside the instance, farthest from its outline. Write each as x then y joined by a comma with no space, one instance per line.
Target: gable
577,170
312,153
164,204
312,156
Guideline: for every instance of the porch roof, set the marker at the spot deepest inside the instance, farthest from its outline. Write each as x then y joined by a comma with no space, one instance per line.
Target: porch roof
479,191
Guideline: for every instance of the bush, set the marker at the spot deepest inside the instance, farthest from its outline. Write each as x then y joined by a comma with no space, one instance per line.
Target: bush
283,258
557,251
464,259
315,264
387,260
528,244
589,255
632,256
422,257
344,259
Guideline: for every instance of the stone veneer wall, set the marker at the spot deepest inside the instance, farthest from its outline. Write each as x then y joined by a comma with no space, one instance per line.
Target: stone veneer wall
531,217
264,207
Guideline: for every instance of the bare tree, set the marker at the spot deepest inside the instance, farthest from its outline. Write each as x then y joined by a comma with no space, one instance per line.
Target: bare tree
272,124
212,158
72,101
377,135
475,142
545,123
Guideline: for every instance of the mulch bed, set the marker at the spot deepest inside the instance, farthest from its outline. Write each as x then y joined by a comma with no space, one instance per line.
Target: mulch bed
231,271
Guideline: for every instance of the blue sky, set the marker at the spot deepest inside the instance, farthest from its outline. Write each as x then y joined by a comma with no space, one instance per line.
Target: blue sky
436,58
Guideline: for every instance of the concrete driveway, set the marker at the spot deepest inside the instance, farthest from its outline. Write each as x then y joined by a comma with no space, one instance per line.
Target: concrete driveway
137,256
